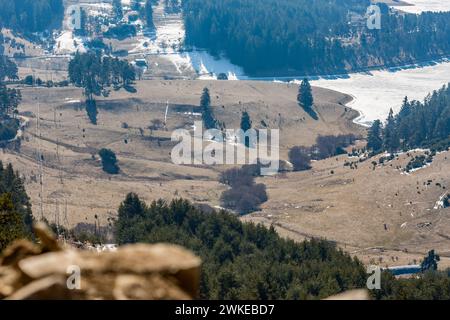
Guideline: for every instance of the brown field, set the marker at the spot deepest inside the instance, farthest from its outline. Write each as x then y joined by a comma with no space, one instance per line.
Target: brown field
350,207
69,143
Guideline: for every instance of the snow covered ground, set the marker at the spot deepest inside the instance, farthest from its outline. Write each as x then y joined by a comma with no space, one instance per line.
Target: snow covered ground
206,66
23,124
167,42
68,43
419,6
377,91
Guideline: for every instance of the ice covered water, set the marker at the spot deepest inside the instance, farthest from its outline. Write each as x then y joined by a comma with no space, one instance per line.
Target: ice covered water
376,92
418,6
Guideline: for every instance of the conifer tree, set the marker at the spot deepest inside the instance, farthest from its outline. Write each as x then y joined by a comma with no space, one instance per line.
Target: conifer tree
149,14
391,139
403,125
11,183
374,139
430,262
207,114
246,124
305,97
118,10
12,226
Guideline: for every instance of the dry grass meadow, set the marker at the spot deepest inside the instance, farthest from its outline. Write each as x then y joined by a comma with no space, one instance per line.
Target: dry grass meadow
349,206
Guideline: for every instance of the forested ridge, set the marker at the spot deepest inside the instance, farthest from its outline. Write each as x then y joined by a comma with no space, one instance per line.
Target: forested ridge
15,208
9,99
31,15
292,37
247,261
241,261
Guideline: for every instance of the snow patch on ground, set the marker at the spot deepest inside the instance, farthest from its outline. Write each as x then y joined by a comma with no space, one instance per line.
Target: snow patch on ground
440,202
23,124
194,114
68,43
167,41
73,101
416,169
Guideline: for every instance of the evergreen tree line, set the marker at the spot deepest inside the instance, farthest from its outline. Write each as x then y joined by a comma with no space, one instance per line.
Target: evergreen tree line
418,124
291,37
431,285
248,261
241,261
31,15
96,73
9,100
15,208
8,69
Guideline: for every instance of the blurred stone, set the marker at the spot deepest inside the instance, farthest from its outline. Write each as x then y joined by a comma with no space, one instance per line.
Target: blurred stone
138,271
9,281
47,237
17,251
49,288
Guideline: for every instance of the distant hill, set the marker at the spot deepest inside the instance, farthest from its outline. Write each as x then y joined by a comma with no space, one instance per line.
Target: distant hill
295,37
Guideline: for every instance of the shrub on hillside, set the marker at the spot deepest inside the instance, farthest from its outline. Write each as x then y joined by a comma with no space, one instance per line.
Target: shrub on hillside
8,129
244,196
300,158
109,161
329,146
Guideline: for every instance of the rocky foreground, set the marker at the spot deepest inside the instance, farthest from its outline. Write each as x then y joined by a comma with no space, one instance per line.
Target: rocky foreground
51,271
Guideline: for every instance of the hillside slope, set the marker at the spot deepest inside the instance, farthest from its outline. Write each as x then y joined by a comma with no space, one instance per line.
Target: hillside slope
75,189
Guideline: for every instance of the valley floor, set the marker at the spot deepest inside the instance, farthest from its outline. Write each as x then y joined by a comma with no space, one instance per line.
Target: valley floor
348,206
75,189
376,213
383,215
